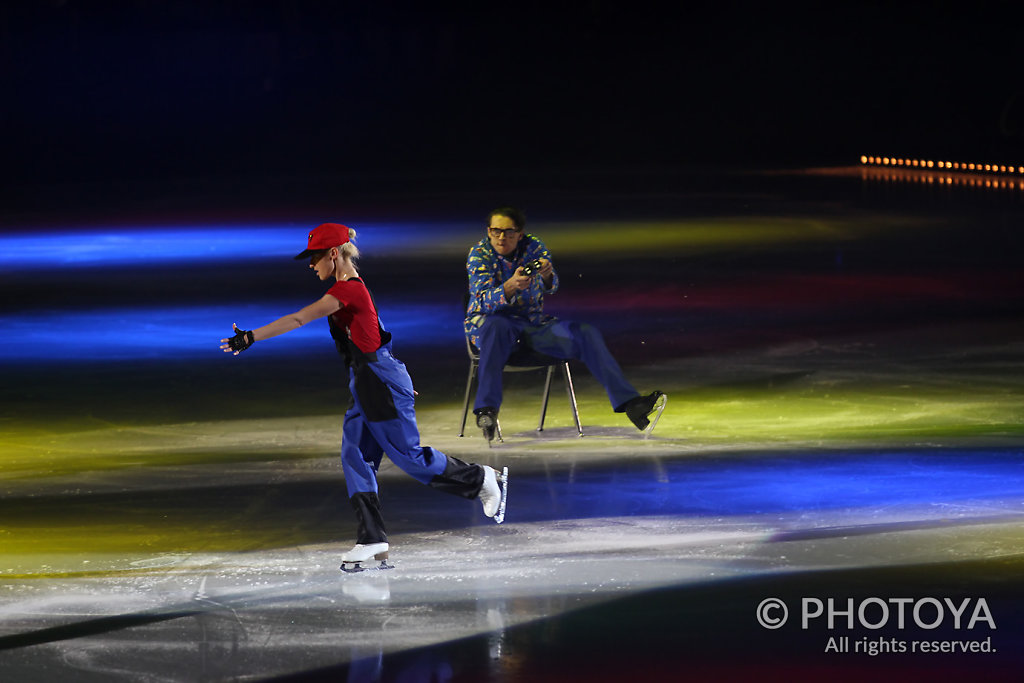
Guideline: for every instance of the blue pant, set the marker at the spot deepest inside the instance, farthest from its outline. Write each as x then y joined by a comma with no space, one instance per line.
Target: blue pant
364,442
500,335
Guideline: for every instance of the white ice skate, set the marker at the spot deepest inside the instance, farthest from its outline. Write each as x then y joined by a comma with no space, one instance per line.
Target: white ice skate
355,559
494,493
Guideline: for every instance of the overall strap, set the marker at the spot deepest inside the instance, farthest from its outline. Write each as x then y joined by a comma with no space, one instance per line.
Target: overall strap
352,354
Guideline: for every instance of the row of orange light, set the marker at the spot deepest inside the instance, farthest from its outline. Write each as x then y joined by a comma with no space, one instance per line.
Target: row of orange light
930,179
951,165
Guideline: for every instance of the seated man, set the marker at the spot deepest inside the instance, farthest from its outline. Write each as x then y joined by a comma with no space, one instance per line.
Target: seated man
510,272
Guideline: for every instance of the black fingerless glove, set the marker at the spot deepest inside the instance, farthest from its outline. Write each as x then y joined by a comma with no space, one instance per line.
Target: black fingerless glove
242,340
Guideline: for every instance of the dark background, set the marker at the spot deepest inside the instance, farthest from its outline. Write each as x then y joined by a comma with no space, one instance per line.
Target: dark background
158,91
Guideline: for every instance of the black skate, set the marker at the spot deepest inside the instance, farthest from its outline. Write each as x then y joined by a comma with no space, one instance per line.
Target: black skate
640,409
487,420
358,559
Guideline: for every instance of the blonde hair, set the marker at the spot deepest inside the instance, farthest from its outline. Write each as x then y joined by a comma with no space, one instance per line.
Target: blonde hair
349,251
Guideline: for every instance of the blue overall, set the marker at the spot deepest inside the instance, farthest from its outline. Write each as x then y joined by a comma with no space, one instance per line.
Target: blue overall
382,418
364,442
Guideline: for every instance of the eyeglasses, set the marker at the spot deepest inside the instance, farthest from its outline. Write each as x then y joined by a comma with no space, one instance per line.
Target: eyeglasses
507,233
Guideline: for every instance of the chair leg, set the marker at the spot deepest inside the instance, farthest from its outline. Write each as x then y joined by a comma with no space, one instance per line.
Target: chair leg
465,403
572,397
544,402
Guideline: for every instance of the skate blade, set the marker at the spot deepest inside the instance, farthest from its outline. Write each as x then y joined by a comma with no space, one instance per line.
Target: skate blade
503,479
495,435
356,567
659,408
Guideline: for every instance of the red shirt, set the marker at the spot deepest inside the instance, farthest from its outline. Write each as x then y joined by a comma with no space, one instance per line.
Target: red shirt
357,314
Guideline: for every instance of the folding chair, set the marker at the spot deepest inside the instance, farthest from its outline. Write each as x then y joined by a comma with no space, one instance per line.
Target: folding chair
521,361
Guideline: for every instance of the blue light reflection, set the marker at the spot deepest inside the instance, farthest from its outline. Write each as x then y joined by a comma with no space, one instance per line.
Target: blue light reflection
194,331
197,244
780,483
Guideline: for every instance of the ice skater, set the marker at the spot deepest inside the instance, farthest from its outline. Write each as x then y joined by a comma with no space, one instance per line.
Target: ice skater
381,418
510,273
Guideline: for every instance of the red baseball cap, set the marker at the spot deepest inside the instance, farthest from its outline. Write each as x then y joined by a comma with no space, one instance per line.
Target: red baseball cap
325,236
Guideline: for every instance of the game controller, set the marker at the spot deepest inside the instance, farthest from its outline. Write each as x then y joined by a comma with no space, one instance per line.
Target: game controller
532,268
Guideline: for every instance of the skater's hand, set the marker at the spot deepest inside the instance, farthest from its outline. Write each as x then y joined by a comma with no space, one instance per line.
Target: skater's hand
241,340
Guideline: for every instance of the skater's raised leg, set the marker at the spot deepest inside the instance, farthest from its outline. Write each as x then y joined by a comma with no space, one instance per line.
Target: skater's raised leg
474,481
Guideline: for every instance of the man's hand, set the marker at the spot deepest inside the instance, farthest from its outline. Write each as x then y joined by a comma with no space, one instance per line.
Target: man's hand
546,272
517,283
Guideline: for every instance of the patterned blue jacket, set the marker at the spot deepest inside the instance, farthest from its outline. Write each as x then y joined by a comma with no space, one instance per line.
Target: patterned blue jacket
487,271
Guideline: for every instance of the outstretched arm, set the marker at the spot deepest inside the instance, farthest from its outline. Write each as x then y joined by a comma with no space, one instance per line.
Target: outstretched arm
316,310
